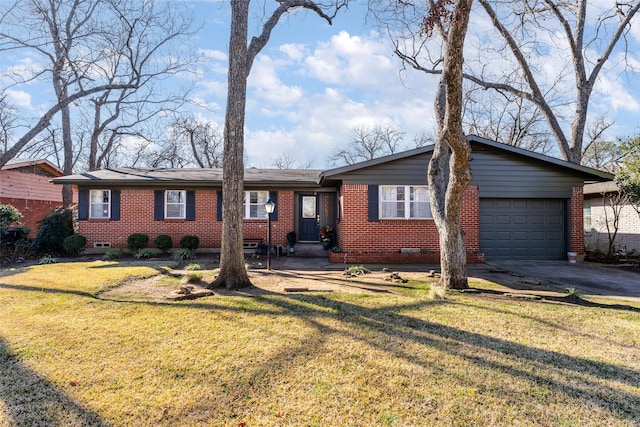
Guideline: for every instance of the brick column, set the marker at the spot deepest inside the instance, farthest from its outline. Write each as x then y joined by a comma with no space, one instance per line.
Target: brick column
576,225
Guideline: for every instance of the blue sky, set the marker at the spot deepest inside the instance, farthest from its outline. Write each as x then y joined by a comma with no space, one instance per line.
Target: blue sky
314,83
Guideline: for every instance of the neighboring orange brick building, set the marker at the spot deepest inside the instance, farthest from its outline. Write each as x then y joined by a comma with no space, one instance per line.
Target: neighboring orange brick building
25,184
519,205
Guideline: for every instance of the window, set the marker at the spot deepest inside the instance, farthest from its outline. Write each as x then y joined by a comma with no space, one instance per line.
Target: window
404,202
99,204
175,202
586,216
254,204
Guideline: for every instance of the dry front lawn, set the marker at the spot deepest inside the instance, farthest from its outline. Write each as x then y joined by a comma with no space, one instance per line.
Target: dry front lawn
373,356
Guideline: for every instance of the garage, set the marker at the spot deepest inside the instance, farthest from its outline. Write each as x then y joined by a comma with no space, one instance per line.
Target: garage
522,228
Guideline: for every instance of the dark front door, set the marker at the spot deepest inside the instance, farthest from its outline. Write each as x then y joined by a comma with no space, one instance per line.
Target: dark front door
308,231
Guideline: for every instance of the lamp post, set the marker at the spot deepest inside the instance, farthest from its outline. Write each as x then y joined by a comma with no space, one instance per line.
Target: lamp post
269,207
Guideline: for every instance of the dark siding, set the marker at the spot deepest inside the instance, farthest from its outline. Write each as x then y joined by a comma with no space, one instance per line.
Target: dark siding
503,175
158,205
190,208
373,203
496,173
83,205
409,171
115,205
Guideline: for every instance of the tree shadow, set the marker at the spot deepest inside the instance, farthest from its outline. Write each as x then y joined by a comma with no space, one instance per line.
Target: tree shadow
577,377
31,400
46,290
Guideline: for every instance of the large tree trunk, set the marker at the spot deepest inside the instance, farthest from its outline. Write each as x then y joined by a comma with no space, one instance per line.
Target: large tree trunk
233,273
67,166
452,149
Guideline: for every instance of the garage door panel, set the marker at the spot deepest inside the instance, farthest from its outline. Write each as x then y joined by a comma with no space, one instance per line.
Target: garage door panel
520,219
522,228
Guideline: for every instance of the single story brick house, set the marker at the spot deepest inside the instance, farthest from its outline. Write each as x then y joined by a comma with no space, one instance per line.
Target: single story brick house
598,211
25,185
519,204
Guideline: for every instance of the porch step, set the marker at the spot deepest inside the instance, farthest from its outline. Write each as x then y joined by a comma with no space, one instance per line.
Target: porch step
309,250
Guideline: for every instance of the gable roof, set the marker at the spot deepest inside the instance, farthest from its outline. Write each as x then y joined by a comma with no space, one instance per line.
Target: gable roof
44,164
190,177
589,174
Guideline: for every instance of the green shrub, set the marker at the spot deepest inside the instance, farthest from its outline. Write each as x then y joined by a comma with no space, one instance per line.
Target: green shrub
163,242
190,242
193,266
137,241
56,227
113,254
74,244
8,215
182,254
356,270
47,260
145,253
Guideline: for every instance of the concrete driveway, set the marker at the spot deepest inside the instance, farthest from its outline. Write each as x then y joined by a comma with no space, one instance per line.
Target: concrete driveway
589,279
595,279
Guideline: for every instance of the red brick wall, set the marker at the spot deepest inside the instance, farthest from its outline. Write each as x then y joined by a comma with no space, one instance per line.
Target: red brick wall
577,224
33,195
32,211
382,241
136,216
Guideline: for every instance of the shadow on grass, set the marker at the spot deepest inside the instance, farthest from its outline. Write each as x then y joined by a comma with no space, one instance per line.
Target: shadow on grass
612,388
31,400
46,290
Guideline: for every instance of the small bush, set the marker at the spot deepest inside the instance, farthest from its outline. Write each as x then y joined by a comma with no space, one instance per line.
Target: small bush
190,242
137,241
163,242
182,254
145,254
193,266
47,260
437,293
56,227
573,293
8,215
74,244
113,254
191,278
357,270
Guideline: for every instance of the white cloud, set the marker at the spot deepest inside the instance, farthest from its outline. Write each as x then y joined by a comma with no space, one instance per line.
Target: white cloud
214,54
266,86
350,61
19,98
296,52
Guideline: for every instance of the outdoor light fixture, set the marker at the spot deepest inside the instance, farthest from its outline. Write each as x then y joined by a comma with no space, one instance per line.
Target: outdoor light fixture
269,207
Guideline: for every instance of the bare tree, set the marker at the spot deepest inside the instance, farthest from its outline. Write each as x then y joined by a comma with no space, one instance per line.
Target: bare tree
586,45
507,119
603,154
87,47
289,161
612,204
8,122
241,56
449,172
628,177
204,138
368,143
